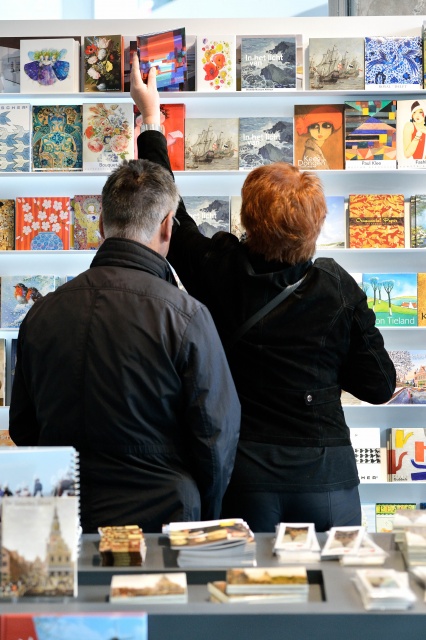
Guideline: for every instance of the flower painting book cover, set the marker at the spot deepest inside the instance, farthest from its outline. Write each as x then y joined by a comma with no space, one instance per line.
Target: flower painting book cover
103,63
216,62
57,138
42,223
107,135
20,292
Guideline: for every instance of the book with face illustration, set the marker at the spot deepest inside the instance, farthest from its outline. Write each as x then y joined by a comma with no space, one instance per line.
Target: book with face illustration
86,211
318,137
411,134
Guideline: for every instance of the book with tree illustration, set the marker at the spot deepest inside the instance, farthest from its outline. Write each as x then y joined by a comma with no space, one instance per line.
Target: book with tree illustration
392,297
376,221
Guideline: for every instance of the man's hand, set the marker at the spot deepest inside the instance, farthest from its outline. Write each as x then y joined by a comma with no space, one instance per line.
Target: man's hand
145,96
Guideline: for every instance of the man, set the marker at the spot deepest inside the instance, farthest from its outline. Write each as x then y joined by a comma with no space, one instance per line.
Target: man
127,368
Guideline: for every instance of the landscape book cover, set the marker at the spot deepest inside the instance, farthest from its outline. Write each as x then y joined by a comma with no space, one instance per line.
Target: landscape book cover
376,221
392,297
50,65
166,51
215,63
393,62
149,588
411,134
102,61
406,454
42,223
418,221
211,144
108,135
56,140
336,64
333,231
421,299
366,445
370,134
211,213
271,63
319,137
7,224
86,211
265,140
19,293
410,366
172,120
15,127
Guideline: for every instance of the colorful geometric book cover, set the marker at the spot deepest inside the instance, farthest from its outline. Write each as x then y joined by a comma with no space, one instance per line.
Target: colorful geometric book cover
7,225
216,62
392,297
57,138
102,60
42,223
86,211
376,221
410,366
418,221
336,64
167,52
211,144
50,65
421,299
265,140
393,62
19,293
370,138
211,213
366,444
333,231
318,137
2,372
107,135
271,63
407,461
172,120
385,512
10,64
411,134
15,127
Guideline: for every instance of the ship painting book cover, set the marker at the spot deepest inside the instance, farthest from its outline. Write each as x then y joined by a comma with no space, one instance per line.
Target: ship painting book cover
336,63
392,297
271,63
264,141
211,144
410,366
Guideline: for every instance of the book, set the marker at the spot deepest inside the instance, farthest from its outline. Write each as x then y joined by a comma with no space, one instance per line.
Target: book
370,134
264,140
318,137
418,221
50,65
211,144
421,299
122,546
342,541
107,135
57,138
102,61
407,518
406,462
393,62
15,127
368,516
211,213
382,589
369,553
42,223
7,224
10,64
333,231
13,355
2,372
19,293
385,512
216,63
366,444
172,120
376,221
410,367
237,227
296,542
336,64
392,297
410,134
5,441
85,211
149,588
218,593
267,580
166,51
271,63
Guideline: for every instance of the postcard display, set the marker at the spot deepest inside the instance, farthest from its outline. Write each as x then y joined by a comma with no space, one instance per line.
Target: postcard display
230,104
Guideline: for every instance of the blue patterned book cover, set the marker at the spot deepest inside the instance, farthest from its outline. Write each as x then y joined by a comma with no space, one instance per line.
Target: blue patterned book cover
211,213
393,62
19,293
15,125
265,140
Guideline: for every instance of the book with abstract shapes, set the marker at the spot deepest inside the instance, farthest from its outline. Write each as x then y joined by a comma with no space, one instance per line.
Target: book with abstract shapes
149,588
211,213
393,62
392,297
318,137
376,221
7,224
333,231
19,293
336,63
411,134
366,444
410,366
265,140
211,144
43,223
107,136
102,58
86,211
57,138
50,65
407,460
216,63
172,120
271,63
418,221
371,138
15,127
167,52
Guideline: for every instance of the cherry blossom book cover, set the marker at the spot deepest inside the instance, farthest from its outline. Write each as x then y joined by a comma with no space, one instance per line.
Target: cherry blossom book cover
108,136
42,223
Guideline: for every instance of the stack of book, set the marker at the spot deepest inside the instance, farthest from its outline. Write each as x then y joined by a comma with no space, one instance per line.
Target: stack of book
149,588
122,546
384,589
413,545
407,518
352,546
266,584
296,542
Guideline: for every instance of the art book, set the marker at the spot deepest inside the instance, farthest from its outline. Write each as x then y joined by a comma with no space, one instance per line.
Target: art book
149,588
366,444
421,299
42,223
19,293
393,62
216,62
85,211
370,134
10,64
411,134
385,513
376,221
9,384
102,60
50,65
172,120
5,439
15,127
267,580
418,221
410,366
237,227
166,51
318,137
211,213
211,144
7,225
271,63
265,140
392,297
336,63
57,138
333,231
107,135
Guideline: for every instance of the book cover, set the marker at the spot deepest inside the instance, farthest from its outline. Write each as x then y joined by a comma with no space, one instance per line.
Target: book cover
392,297
385,512
172,120
2,372
86,211
333,231
267,580
149,588
211,213
421,299
393,62
376,221
237,227
7,225
368,516
10,64
336,63
271,63
418,221
19,293
370,134
166,51
406,462
211,144
49,65
366,444
410,366
15,126
13,350
265,140
107,135
102,60
216,62
411,134
318,137
42,223
57,138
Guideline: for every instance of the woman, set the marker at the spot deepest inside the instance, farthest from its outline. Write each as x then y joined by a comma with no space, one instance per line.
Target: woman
295,462
318,124
414,133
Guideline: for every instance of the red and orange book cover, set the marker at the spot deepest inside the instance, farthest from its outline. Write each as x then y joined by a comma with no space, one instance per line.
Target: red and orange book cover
376,221
43,222
173,127
318,137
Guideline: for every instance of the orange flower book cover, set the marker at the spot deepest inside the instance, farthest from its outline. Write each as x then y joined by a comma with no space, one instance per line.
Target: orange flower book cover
376,221
216,61
43,223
